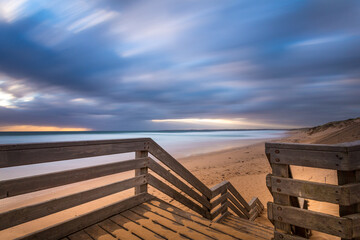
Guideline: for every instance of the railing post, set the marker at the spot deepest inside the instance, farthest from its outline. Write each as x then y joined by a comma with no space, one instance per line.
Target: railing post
144,187
346,177
280,170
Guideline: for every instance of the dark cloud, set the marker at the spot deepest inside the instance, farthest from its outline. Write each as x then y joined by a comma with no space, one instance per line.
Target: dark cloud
118,64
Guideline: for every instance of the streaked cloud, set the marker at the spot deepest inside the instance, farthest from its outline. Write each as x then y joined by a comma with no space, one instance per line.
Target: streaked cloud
118,65
31,128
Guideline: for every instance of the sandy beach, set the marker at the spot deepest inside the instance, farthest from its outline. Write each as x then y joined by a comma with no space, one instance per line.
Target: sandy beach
245,167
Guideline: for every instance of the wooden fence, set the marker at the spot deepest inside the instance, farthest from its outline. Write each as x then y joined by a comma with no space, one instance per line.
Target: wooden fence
286,215
188,190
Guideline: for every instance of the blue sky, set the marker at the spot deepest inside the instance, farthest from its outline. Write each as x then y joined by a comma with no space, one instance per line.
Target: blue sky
142,65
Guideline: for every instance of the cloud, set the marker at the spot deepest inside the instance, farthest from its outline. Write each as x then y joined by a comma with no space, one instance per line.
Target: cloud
110,65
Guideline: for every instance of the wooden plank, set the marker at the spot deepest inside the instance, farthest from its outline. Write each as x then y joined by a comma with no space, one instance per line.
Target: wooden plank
219,188
310,190
135,228
179,169
140,171
154,166
219,210
22,154
117,231
170,211
244,212
355,218
238,196
284,236
236,211
28,213
186,227
81,235
250,224
13,187
151,225
310,147
338,226
318,159
250,229
219,200
281,170
223,217
84,220
98,233
177,196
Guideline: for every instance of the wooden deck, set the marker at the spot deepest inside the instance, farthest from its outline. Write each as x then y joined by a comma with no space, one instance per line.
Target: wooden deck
157,219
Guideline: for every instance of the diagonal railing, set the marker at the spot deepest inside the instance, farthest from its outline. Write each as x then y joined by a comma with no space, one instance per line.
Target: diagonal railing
183,187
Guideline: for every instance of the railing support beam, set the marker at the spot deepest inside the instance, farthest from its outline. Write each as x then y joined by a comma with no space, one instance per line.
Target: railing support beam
140,171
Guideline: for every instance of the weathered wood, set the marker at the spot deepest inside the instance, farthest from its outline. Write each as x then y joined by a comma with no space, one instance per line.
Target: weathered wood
222,217
140,171
149,224
183,226
79,222
177,196
338,226
311,147
244,212
81,235
97,232
219,188
284,236
19,186
241,224
281,170
348,177
355,218
236,211
219,200
28,213
22,154
318,159
219,210
158,169
179,169
238,196
172,212
135,228
311,190
117,230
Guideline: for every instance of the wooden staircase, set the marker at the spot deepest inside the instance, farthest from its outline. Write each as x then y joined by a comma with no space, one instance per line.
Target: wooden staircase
139,216
157,219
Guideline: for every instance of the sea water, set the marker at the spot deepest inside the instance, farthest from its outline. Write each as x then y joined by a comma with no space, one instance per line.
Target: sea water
178,143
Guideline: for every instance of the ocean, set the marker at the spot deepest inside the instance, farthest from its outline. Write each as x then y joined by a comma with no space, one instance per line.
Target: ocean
178,143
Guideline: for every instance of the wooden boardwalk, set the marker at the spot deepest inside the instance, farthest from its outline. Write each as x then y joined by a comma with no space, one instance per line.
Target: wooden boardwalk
157,219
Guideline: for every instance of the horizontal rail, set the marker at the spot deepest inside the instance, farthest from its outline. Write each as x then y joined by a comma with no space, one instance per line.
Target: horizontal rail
338,226
84,220
335,158
344,147
159,185
219,210
346,195
24,185
179,169
219,200
162,172
23,154
28,213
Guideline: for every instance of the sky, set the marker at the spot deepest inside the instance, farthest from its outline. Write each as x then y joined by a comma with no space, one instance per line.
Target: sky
177,64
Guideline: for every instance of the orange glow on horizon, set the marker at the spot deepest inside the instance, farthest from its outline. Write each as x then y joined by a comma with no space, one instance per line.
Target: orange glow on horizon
33,128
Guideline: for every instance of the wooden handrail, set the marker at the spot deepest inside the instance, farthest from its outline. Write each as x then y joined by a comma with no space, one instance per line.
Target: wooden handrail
199,197
344,158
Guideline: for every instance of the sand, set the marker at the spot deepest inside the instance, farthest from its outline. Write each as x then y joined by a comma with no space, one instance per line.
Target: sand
245,167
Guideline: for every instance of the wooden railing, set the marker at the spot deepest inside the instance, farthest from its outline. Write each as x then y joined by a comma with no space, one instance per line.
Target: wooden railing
185,187
345,159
